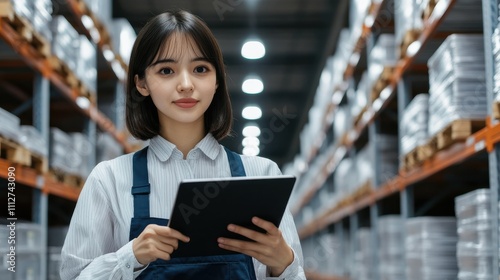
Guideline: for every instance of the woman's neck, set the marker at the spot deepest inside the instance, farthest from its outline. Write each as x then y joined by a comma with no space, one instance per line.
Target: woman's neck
184,137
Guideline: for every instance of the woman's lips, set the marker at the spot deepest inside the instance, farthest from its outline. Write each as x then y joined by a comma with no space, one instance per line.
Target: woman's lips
186,102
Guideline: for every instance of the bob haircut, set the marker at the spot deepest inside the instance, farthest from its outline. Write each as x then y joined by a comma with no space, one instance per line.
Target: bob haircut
141,113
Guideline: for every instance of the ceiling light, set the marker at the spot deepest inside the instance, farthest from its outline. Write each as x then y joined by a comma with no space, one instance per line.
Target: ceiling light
252,86
251,113
251,131
251,151
250,141
253,49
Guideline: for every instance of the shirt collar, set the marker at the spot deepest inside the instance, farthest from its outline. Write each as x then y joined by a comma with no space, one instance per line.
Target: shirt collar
163,149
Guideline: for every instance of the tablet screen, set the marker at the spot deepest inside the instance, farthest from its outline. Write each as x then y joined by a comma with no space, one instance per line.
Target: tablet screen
204,207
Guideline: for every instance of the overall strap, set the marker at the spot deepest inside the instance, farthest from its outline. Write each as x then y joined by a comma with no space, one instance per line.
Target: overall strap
140,187
235,163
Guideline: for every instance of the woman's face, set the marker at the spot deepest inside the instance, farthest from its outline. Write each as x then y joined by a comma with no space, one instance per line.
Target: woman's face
180,81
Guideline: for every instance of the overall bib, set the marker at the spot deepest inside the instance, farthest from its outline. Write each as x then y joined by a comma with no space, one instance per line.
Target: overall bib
225,267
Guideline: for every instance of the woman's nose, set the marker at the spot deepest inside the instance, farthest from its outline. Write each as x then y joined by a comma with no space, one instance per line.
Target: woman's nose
185,83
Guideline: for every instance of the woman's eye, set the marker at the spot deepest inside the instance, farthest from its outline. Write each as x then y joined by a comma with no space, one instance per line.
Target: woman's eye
166,71
200,69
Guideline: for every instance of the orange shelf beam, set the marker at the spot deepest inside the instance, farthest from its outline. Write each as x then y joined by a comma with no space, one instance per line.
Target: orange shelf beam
31,178
61,190
23,175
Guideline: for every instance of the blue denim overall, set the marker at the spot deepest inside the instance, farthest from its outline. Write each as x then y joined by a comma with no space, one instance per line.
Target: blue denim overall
225,267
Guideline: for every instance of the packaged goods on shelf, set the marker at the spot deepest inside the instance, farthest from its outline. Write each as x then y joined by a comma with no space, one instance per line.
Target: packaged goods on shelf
457,54
357,14
22,8
496,53
28,237
391,253
408,24
107,147
31,138
308,248
364,168
382,60
10,125
326,198
102,9
387,146
473,206
357,176
123,38
342,55
315,121
344,178
42,17
86,67
28,266
63,156
306,141
474,227
430,246
342,123
363,267
65,42
323,95
358,99
414,123
456,82
83,147
53,262
329,255
305,216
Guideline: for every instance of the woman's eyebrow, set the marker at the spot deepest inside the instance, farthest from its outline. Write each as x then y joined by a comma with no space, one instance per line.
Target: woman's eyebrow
171,60
200,58
164,60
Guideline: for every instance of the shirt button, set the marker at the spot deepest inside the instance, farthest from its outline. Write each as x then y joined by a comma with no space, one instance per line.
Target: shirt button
128,265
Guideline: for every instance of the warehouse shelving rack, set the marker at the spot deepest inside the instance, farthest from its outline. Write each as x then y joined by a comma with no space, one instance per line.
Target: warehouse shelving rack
485,140
45,77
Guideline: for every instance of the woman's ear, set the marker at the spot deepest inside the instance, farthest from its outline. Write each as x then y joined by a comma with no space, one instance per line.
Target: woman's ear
141,86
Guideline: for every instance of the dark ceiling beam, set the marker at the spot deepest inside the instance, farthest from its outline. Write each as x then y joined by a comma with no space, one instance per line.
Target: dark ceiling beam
312,24
336,25
275,59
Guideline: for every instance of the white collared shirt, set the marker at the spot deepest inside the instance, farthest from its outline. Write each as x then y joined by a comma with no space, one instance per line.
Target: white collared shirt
97,245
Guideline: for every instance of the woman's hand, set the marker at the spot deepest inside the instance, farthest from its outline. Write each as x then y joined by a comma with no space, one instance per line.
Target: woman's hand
156,242
269,248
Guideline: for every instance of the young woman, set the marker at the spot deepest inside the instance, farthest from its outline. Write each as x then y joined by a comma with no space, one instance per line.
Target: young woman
177,98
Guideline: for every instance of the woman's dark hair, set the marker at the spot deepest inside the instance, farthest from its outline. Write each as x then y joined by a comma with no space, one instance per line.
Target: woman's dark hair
141,114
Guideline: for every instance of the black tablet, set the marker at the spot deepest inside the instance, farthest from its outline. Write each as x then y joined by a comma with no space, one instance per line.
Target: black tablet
204,208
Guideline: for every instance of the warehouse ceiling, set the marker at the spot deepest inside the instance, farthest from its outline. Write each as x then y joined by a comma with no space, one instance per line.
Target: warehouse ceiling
298,35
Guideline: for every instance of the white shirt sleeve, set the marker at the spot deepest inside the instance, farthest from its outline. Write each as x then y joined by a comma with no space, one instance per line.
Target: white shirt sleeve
89,251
